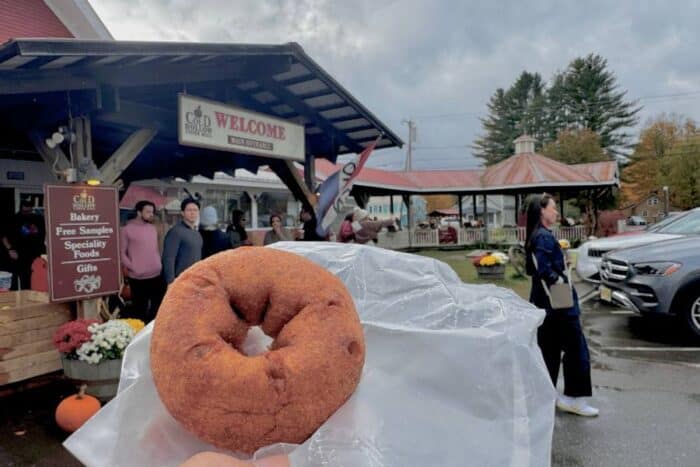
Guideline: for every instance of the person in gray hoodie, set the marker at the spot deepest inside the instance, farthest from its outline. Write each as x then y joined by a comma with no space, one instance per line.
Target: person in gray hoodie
183,243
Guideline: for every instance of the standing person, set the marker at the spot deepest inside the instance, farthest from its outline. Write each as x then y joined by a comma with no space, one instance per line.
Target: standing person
236,230
365,228
141,259
346,234
277,233
24,242
213,239
561,330
183,243
309,219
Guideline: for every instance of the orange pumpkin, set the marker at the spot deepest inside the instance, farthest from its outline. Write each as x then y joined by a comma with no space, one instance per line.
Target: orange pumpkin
75,410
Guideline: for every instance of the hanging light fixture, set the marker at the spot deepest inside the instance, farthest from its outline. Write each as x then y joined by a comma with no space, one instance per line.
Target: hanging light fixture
93,177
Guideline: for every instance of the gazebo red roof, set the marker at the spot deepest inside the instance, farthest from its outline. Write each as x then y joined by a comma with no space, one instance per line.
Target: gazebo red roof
522,171
530,169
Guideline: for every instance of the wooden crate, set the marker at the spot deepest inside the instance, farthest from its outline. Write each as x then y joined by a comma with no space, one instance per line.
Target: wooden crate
27,324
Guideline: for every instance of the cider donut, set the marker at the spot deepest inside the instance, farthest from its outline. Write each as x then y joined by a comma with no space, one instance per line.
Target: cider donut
240,402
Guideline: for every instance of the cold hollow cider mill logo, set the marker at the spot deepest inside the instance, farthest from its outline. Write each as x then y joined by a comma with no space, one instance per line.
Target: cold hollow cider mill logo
83,202
197,123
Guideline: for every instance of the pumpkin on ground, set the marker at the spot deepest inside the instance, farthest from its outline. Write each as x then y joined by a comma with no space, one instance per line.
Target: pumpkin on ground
75,410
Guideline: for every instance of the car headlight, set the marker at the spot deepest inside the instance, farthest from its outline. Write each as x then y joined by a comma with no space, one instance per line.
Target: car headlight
661,268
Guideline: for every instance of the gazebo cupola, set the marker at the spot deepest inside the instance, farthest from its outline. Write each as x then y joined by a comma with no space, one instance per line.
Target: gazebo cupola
525,144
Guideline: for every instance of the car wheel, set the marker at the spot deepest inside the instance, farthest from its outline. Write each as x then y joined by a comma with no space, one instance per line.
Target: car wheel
692,314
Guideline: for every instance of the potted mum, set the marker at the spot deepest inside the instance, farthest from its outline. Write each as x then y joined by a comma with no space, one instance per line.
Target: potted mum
491,266
91,352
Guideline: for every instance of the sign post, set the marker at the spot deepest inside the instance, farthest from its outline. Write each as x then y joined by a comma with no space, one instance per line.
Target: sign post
83,241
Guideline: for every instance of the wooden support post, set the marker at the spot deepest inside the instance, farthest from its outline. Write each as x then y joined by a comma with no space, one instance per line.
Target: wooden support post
561,207
486,220
310,172
90,308
474,206
125,154
459,198
409,218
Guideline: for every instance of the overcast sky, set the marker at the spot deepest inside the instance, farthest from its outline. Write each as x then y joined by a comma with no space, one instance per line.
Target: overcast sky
438,62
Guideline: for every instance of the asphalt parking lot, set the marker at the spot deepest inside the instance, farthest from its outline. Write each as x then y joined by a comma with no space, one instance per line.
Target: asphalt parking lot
646,376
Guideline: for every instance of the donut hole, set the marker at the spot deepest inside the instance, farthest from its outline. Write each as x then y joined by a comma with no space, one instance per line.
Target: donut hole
256,342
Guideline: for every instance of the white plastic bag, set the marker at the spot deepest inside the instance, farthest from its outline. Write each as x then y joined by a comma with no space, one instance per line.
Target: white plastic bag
453,377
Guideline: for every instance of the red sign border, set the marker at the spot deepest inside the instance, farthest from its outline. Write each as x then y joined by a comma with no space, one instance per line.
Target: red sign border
47,188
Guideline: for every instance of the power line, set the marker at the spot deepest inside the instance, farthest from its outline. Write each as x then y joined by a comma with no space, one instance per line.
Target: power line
439,148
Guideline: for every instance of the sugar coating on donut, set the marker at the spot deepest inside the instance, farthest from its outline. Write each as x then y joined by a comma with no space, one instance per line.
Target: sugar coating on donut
241,402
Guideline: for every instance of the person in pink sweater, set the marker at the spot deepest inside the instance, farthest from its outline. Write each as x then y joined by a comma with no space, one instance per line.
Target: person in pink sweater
141,261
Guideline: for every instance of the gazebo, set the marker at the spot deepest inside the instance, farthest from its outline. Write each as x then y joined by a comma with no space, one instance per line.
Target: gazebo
523,173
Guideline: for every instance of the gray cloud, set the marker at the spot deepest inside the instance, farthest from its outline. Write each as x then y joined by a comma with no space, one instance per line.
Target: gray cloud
439,62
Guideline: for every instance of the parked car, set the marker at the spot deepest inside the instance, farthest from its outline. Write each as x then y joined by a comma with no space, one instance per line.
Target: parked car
591,252
662,278
636,220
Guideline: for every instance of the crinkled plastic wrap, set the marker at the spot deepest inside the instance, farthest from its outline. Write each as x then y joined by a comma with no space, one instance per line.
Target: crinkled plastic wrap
453,377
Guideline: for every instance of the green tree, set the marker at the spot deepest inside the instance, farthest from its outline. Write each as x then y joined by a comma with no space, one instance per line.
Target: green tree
658,159
576,147
512,112
682,172
587,95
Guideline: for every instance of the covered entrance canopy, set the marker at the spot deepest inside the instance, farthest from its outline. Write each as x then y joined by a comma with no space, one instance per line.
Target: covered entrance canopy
126,96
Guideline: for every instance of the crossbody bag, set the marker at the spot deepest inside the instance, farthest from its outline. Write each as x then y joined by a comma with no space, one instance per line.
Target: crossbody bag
560,296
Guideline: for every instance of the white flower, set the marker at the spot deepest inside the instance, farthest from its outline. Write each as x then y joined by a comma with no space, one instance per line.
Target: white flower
112,336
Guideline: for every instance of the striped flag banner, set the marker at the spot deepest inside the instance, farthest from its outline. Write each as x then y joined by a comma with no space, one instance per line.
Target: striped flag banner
336,188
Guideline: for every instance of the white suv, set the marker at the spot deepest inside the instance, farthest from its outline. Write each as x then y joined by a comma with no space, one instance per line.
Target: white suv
591,252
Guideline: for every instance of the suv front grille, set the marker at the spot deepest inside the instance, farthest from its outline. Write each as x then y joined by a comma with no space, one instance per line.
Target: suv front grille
613,270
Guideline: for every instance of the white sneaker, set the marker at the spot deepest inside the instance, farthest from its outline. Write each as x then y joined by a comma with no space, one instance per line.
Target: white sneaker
576,405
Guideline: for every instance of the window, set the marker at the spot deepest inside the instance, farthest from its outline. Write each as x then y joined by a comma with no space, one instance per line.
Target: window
645,213
688,224
653,201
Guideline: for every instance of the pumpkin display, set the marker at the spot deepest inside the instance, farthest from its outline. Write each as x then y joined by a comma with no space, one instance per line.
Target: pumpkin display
75,410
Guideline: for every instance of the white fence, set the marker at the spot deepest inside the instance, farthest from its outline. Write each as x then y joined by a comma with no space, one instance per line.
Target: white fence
419,238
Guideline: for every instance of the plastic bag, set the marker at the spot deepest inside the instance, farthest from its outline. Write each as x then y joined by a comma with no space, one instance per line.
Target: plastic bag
453,376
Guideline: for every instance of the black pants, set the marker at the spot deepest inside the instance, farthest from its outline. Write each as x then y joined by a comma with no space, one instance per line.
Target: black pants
146,295
561,333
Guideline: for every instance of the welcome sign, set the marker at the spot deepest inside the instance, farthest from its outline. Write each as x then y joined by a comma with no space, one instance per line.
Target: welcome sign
208,124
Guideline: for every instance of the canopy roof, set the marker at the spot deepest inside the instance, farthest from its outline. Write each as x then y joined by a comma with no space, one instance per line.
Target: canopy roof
125,86
525,172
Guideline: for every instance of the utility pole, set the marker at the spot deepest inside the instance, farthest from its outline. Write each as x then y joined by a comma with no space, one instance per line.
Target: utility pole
411,139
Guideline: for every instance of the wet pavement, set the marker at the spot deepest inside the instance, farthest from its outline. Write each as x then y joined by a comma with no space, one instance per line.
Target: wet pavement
29,435
646,376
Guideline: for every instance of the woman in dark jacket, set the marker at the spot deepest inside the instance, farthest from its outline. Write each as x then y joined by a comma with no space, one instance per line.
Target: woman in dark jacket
213,239
561,330
236,230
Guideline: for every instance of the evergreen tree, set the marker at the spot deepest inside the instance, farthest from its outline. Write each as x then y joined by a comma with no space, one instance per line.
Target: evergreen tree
586,95
518,110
